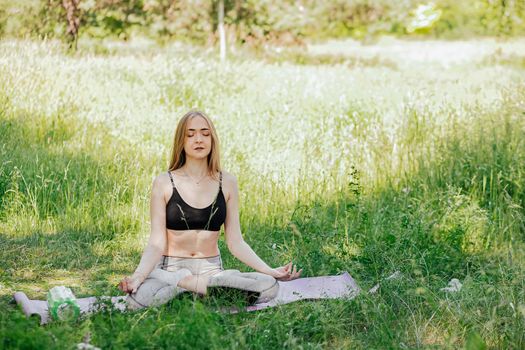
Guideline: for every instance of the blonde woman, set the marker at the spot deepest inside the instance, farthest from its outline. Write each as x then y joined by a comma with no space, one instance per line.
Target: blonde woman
189,204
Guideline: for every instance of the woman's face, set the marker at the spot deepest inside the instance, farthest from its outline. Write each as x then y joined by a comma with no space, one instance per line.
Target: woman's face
197,140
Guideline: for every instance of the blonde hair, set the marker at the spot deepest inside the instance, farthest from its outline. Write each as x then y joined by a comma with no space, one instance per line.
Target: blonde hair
178,156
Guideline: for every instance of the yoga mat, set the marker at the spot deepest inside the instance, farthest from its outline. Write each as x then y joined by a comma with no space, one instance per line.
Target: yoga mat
311,288
87,305
308,288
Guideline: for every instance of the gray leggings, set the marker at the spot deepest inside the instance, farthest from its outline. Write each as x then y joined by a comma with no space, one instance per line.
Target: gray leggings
161,284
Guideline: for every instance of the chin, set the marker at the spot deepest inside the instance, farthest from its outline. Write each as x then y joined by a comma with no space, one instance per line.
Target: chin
199,155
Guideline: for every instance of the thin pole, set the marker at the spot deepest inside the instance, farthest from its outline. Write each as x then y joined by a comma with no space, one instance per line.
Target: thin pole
222,35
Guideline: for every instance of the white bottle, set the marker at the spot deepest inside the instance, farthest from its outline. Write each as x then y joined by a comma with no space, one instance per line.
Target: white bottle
62,304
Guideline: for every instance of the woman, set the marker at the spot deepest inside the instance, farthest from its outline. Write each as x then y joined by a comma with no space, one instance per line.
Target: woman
182,252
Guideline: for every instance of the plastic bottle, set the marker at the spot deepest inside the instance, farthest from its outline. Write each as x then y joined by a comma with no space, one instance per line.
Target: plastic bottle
62,304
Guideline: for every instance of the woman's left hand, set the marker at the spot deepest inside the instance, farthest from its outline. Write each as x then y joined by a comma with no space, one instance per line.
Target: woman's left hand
287,272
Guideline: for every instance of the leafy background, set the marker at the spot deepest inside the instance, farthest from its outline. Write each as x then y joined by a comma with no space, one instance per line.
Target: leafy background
354,150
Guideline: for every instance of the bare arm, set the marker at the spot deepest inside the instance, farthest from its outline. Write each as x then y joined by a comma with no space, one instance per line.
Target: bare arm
232,228
157,239
239,248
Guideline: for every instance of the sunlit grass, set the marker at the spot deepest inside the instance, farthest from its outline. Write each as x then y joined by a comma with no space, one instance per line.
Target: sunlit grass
396,164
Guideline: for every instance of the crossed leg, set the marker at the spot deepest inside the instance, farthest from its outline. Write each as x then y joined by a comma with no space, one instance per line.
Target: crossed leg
161,286
197,283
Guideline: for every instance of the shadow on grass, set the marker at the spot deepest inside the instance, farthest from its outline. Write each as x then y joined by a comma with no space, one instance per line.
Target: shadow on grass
61,194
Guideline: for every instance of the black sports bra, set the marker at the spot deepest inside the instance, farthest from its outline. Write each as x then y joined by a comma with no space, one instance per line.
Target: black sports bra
181,216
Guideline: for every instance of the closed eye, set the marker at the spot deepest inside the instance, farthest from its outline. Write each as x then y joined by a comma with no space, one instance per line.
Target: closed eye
204,132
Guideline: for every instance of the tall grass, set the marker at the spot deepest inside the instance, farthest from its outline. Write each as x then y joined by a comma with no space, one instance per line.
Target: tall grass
410,166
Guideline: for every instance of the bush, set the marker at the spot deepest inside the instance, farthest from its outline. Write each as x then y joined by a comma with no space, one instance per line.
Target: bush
253,22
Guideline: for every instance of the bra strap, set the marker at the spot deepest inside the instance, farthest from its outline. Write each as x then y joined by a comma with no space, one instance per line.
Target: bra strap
171,178
220,180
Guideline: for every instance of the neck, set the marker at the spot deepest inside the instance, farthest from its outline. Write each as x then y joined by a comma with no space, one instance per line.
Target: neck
196,167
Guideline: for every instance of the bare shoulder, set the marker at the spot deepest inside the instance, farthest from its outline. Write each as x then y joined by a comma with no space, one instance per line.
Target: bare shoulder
161,179
229,185
162,184
228,179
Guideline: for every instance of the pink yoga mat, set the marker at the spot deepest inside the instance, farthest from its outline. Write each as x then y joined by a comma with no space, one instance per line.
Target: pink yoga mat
309,288
87,305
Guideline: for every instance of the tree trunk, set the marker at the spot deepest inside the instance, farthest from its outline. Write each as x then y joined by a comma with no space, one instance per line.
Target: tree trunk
222,35
73,21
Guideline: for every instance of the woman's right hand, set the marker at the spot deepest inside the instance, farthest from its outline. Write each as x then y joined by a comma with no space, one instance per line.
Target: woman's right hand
130,284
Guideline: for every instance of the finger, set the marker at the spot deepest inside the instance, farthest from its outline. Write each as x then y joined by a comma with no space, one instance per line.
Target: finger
128,286
121,286
293,275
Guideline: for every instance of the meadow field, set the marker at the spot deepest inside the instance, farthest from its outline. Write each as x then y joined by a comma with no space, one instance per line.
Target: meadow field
400,155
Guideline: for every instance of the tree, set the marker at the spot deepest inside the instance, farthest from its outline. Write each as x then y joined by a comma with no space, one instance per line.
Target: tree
222,36
73,21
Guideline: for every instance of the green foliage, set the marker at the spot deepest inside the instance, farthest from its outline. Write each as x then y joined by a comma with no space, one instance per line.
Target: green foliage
254,23
481,17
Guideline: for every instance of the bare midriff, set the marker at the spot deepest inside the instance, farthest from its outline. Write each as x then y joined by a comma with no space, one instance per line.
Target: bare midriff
192,243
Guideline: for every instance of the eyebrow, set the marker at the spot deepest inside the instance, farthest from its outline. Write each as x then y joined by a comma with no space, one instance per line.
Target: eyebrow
204,129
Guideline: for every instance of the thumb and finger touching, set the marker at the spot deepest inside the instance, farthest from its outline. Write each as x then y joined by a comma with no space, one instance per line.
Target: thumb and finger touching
127,285
288,272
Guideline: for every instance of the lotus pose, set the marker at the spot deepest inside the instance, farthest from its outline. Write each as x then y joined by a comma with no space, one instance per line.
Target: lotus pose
189,204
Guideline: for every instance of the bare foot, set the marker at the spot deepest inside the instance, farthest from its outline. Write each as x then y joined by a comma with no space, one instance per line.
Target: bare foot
195,283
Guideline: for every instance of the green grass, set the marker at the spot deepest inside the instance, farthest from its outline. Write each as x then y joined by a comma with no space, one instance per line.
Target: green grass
396,164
